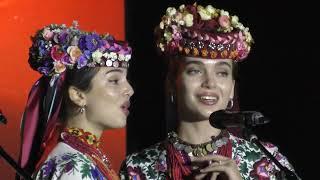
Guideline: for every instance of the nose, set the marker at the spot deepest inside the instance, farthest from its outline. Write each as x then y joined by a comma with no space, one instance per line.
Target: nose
128,90
209,81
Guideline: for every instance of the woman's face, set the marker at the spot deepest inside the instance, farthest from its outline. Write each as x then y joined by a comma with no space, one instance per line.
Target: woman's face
203,86
107,101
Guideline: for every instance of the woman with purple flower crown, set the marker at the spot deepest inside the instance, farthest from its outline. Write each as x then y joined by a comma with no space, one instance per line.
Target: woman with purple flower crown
202,46
83,91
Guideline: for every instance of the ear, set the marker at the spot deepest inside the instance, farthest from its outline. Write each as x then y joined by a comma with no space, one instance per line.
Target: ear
232,90
77,96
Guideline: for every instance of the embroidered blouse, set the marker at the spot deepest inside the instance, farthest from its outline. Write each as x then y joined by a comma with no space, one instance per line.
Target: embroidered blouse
154,162
76,156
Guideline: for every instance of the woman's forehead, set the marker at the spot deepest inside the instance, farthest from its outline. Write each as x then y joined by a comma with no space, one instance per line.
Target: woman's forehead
204,61
109,70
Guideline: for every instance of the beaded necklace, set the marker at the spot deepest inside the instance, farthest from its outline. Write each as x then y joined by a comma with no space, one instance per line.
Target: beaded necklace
88,144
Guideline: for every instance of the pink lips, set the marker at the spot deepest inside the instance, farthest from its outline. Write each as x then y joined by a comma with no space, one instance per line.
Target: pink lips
125,108
208,98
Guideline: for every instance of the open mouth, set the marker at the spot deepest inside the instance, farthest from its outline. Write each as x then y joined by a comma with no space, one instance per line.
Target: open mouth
125,108
208,99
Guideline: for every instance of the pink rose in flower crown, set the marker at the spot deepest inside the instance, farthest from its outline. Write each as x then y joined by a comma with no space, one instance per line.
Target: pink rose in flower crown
59,67
224,21
172,46
47,34
57,53
176,35
74,53
242,49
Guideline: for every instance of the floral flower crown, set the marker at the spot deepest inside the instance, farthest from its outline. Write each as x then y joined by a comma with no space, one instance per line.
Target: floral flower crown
57,47
208,32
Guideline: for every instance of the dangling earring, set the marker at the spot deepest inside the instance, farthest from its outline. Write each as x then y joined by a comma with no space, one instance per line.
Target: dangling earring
171,98
230,104
82,109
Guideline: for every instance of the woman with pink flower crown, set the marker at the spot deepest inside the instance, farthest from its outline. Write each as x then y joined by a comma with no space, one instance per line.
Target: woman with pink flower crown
202,46
83,91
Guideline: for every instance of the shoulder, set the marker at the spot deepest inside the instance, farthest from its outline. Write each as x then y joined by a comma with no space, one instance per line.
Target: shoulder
66,163
253,162
147,155
145,164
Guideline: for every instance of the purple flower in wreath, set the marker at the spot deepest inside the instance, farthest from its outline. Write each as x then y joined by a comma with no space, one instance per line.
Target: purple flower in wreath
41,45
83,61
66,59
44,70
46,67
90,42
63,37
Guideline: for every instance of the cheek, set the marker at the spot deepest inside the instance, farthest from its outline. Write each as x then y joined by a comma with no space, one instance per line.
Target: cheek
110,97
102,97
187,90
226,89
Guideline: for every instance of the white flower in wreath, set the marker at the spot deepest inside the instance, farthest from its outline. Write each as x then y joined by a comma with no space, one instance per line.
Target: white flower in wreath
234,21
188,18
113,56
248,36
107,55
171,11
161,46
121,57
240,26
179,18
181,7
127,57
96,56
224,13
161,25
204,14
211,9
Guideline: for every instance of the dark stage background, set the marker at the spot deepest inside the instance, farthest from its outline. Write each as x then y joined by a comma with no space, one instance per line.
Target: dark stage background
279,79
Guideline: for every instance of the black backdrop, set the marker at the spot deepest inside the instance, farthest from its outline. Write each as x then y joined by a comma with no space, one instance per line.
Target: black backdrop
279,79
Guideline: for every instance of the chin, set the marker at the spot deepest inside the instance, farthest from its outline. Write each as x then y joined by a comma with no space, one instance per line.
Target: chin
121,123
205,113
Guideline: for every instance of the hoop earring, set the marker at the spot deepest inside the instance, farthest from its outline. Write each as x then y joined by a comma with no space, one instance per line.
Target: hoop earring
230,104
82,109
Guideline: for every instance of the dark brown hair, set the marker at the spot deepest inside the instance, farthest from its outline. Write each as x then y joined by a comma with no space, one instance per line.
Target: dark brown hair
81,79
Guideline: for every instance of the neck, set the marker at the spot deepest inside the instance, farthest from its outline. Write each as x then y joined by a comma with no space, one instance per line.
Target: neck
196,132
83,123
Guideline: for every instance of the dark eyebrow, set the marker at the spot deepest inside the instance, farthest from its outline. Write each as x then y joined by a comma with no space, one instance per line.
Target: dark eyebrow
114,70
223,63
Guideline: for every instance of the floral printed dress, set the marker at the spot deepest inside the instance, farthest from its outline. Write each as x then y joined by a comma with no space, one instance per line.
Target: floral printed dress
153,162
74,158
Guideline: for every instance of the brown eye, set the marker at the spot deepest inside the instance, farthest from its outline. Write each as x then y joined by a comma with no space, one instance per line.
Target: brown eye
193,71
223,74
114,81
